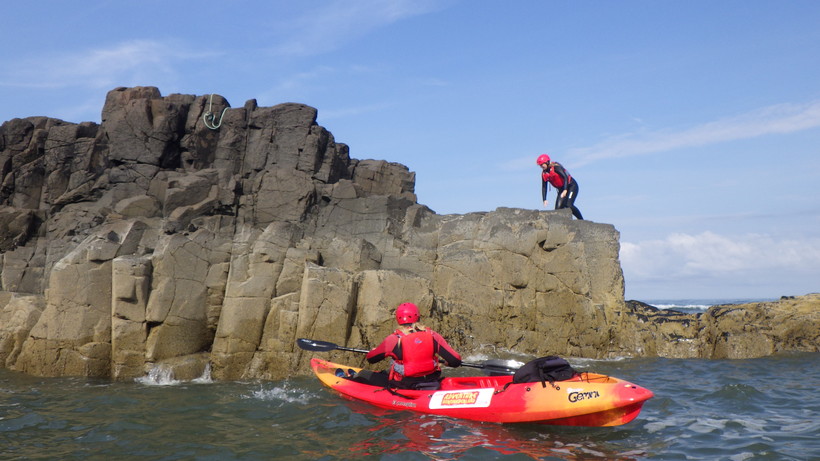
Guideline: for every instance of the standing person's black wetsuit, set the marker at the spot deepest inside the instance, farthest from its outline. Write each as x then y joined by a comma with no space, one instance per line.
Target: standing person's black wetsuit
565,185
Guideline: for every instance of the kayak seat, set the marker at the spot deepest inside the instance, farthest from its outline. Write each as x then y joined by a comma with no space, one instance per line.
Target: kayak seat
426,386
373,378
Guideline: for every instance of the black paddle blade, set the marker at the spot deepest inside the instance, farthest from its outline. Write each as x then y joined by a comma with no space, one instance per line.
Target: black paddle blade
323,346
315,345
498,367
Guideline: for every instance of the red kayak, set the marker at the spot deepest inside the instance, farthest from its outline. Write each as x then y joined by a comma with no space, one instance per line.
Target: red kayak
588,399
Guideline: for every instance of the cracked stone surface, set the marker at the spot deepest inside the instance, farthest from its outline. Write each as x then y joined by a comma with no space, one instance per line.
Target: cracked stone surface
153,240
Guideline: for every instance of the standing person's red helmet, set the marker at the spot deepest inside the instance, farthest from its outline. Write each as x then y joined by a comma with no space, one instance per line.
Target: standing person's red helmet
407,313
542,159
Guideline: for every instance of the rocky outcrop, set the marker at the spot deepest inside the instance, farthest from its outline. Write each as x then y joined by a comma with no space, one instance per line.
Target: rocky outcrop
156,240
732,331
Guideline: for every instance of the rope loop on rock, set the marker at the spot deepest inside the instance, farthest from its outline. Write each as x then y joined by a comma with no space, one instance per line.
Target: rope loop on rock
208,116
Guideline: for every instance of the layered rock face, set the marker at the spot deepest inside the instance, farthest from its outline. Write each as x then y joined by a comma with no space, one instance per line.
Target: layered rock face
159,239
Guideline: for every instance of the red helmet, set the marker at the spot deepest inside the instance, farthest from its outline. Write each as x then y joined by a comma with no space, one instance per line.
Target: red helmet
542,159
407,313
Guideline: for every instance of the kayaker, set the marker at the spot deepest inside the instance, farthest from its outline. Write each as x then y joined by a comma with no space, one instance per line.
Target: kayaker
565,185
415,351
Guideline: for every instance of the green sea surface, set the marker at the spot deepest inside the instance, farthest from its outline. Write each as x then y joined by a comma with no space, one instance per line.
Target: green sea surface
760,409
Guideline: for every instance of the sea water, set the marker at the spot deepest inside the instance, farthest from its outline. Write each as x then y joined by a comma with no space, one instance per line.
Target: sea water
693,306
755,409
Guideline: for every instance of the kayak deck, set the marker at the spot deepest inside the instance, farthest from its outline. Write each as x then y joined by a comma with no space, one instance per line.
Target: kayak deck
589,399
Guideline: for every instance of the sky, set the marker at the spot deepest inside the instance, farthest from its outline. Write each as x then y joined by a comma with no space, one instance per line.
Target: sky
693,126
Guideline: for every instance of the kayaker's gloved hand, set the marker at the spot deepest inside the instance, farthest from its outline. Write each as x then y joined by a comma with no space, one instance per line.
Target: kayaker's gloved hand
456,363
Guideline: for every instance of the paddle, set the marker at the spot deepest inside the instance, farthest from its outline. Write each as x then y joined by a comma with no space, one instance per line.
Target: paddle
324,346
492,366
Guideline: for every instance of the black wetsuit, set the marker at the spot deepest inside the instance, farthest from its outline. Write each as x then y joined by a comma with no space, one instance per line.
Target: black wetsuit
562,181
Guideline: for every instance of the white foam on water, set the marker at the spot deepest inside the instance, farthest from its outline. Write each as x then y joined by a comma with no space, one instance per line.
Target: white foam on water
804,426
707,425
283,393
682,306
498,353
164,376
656,426
593,453
206,376
159,376
752,424
584,360
701,304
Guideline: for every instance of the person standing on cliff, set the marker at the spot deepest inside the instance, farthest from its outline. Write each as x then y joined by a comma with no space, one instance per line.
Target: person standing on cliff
415,350
565,185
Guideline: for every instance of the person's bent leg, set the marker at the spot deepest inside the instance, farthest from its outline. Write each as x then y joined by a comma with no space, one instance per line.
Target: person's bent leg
572,194
560,202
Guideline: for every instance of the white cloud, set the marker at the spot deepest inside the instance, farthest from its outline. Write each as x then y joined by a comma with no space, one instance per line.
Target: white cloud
776,119
298,81
323,29
519,163
711,255
351,111
126,63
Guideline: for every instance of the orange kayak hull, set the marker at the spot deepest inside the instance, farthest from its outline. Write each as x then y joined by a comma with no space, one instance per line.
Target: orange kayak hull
590,399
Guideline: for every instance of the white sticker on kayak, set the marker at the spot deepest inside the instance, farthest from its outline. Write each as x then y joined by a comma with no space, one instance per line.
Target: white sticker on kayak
474,398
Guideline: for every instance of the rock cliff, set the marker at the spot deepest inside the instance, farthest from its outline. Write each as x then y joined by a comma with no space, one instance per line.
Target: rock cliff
168,236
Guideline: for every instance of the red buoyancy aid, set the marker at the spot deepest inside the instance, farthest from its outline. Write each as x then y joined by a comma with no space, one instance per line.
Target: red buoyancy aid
554,178
418,353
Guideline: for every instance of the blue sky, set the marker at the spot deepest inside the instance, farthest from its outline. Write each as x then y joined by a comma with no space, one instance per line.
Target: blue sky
691,126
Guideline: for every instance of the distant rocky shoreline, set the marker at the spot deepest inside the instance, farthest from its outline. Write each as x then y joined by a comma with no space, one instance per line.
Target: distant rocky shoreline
154,240
734,331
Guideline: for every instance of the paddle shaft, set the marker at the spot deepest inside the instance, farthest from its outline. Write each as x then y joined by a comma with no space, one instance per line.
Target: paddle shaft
315,345
361,351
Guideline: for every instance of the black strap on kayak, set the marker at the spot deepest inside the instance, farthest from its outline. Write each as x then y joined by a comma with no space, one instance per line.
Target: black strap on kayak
394,390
